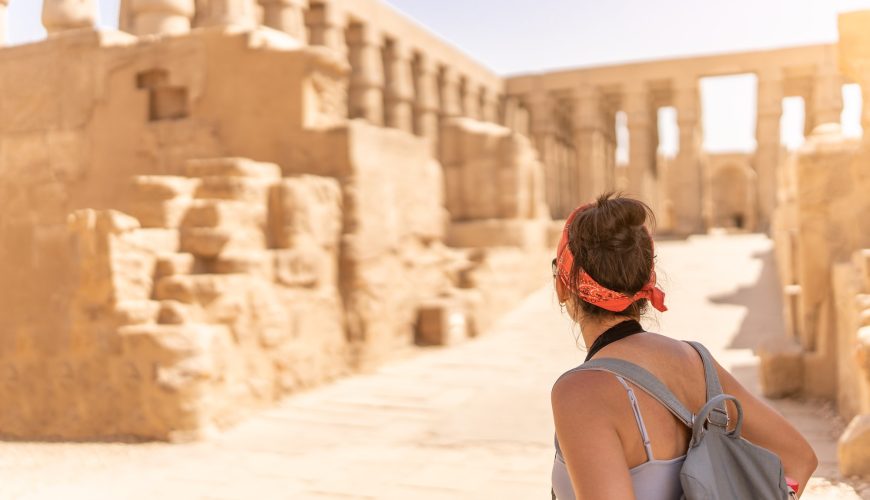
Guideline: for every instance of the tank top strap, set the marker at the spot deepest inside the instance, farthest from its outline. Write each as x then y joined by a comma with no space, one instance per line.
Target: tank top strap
638,417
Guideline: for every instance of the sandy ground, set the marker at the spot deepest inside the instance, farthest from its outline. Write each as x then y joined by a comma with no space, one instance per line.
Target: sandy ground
466,422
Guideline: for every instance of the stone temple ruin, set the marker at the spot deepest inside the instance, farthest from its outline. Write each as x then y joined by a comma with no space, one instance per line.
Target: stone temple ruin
226,201
195,228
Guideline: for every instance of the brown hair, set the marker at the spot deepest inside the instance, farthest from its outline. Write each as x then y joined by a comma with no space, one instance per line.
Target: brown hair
608,240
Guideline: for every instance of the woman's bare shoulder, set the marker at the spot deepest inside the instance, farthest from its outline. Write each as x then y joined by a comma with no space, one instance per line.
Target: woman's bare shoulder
579,390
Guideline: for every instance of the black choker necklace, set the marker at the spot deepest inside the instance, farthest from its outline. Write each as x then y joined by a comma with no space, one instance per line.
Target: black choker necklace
616,332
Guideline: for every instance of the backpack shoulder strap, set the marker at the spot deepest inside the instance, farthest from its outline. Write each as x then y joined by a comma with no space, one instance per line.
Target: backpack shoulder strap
711,377
643,379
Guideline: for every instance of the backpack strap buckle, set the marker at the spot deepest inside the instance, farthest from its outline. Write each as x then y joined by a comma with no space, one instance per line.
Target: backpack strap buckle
718,417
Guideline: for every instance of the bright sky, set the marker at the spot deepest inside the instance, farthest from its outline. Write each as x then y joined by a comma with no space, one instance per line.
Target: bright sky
518,36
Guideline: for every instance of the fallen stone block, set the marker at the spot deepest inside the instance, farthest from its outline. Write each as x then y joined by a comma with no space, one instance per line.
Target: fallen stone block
781,368
441,322
853,447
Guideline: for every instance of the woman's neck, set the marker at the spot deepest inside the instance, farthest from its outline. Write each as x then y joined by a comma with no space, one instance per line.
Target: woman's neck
591,329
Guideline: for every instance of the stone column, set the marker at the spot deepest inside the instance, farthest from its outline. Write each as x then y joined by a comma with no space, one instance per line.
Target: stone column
161,17
366,90
471,98
590,143
686,187
237,13
827,96
426,99
540,105
398,86
449,97
767,136
3,22
287,16
641,147
326,26
854,58
489,105
63,15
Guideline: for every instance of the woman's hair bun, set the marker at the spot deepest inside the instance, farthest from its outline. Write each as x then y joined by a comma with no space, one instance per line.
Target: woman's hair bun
610,241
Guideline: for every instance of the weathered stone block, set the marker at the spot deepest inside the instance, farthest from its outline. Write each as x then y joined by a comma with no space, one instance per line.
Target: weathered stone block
781,368
257,263
853,447
155,240
250,190
199,289
211,242
224,213
299,267
169,343
172,312
163,187
441,322
166,214
305,207
232,167
132,312
173,263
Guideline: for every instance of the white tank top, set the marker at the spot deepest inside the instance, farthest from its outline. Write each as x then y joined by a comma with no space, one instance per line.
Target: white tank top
652,480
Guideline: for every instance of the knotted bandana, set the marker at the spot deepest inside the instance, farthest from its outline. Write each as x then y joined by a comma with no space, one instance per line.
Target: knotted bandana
591,291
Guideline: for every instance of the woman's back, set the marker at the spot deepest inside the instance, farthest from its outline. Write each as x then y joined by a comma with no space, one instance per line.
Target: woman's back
675,364
654,441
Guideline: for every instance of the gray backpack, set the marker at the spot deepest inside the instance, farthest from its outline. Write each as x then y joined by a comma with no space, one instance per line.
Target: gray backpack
719,464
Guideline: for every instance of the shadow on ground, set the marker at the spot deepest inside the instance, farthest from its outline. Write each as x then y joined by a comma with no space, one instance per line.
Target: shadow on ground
763,303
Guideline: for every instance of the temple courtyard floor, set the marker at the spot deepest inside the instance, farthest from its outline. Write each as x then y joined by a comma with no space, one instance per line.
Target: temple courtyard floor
465,422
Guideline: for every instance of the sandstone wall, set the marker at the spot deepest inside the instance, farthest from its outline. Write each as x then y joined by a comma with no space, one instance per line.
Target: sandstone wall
822,233
814,229
158,284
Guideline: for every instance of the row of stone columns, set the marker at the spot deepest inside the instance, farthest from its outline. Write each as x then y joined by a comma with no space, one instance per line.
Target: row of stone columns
175,17
394,85
594,146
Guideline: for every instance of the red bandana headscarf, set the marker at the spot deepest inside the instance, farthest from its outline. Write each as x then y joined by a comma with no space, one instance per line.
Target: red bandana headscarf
591,291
